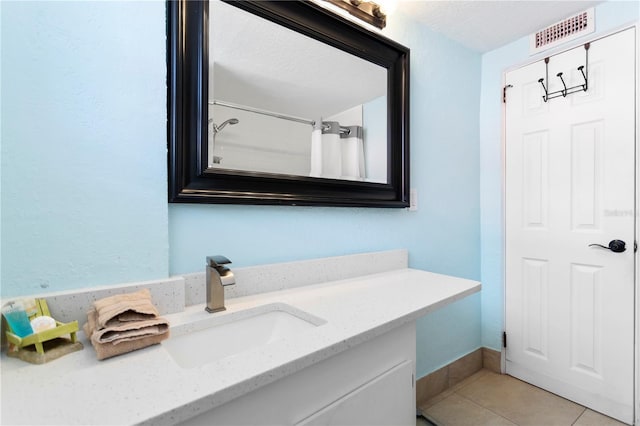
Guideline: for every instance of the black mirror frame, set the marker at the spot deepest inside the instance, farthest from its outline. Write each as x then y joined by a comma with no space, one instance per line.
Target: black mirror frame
187,109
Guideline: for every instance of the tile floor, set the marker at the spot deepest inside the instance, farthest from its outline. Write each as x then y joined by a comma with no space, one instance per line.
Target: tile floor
487,398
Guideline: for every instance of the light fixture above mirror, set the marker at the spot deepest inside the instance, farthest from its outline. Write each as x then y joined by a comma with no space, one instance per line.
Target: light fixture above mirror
367,11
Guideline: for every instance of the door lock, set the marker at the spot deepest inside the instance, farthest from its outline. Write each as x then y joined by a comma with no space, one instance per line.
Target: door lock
616,246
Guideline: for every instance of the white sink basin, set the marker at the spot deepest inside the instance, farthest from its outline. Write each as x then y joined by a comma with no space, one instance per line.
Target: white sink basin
221,335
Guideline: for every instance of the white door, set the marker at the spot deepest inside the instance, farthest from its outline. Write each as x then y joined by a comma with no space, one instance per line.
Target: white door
569,183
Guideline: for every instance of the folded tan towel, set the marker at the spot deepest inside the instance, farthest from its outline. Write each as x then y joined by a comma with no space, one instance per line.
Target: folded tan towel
125,307
123,323
108,350
122,331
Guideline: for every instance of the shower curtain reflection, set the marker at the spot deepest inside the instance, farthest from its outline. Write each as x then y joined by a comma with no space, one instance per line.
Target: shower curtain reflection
268,142
352,145
337,152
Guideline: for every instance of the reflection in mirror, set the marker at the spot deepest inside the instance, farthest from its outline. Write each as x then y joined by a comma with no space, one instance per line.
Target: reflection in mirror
281,102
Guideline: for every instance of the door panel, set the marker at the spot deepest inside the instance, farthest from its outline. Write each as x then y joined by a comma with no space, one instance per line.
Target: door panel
534,166
586,319
535,275
570,170
586,179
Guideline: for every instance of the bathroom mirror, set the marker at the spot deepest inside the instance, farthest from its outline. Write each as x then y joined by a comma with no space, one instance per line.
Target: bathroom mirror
284,103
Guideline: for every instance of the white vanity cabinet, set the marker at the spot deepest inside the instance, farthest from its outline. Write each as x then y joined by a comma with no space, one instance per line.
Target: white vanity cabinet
385,400
372,383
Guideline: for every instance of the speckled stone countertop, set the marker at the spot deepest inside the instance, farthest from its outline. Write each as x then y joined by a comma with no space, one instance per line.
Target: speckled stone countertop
148,387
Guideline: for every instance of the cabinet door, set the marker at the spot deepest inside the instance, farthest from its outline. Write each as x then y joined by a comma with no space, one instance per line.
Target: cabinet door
388,399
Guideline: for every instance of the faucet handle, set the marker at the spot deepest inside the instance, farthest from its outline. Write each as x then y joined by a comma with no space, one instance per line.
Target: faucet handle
215,261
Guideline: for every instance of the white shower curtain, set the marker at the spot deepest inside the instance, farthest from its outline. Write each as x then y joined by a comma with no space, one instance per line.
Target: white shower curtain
316,152
352,154
336,154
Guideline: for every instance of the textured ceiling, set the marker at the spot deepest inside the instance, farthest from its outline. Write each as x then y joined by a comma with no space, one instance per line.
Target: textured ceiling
487,25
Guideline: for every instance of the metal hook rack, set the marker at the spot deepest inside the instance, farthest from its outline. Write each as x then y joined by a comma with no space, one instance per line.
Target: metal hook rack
584,70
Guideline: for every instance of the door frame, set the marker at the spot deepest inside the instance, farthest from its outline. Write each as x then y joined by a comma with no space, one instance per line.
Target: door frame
536,58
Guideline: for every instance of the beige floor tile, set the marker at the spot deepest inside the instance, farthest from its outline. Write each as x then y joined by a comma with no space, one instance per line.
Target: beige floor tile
465,367
458,411
491,360
480,374
423,405
432,385
520,402
592,418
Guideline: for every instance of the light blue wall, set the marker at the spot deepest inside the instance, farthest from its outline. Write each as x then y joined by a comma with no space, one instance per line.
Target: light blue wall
84,168
608,16
83,144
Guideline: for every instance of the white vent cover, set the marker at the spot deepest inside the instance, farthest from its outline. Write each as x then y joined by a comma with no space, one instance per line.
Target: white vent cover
568,29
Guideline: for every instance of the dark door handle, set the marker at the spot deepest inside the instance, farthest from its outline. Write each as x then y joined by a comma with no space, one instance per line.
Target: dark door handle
616,246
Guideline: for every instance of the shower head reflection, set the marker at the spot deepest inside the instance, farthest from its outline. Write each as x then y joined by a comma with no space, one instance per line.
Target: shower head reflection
230,121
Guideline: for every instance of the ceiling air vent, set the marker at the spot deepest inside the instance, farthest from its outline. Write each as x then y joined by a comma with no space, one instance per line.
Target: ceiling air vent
568,29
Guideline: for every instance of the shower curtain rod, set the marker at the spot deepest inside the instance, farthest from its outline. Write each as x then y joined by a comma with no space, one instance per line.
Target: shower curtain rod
263,112
272,114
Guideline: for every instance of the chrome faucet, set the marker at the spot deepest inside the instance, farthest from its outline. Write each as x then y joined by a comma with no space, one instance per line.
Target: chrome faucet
218,277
